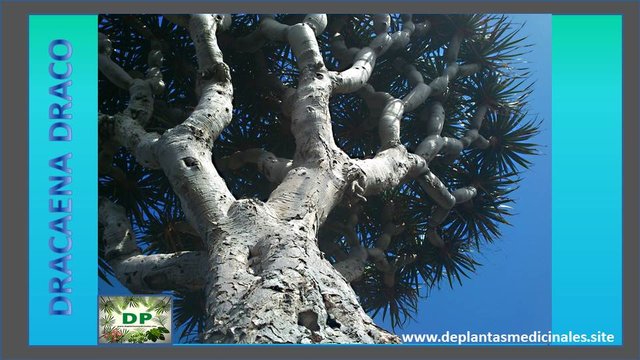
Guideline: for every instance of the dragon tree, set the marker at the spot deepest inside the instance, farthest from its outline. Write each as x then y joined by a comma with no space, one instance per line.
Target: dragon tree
288,177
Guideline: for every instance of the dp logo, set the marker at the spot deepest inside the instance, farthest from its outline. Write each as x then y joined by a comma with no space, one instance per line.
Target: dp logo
132,318
135,319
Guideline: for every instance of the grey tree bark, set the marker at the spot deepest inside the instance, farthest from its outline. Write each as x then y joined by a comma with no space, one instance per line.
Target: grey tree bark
265,277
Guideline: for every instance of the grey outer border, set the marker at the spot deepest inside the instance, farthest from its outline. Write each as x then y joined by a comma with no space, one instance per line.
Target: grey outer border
15,185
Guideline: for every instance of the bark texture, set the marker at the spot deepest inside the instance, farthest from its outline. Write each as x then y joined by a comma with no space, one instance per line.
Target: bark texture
274,286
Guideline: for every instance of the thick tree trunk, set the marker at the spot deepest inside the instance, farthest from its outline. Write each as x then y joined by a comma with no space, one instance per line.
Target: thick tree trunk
280,289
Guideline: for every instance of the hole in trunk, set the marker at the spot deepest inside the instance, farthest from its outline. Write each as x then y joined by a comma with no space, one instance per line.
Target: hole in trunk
190,162
332,322
309,319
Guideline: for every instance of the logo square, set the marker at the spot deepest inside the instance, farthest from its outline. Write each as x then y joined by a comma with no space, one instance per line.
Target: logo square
135,319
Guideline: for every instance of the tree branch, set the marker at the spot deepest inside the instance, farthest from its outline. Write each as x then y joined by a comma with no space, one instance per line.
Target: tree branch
185,270
364,59
453,147
388,169
129,133
341,52
389,129
433,142
111,70
352,268
272,167
268,30
309,103
380,172
317,181
184,152
127,128
213,112
358,74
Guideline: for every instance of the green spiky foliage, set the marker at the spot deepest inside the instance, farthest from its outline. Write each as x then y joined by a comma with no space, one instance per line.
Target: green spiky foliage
108,306
503,84
189,314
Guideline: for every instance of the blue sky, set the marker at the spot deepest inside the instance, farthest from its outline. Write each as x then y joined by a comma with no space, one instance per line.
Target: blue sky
511,291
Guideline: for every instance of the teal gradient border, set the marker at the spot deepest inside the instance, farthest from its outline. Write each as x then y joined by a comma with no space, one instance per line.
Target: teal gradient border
79,328
587,175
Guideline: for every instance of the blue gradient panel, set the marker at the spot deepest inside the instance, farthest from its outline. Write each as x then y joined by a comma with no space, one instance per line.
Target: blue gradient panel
587,175
77,274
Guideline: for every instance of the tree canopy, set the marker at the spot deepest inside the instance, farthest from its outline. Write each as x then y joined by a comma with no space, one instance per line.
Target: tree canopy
415,245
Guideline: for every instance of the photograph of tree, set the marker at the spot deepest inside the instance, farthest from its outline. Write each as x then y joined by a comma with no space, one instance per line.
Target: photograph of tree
290,178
